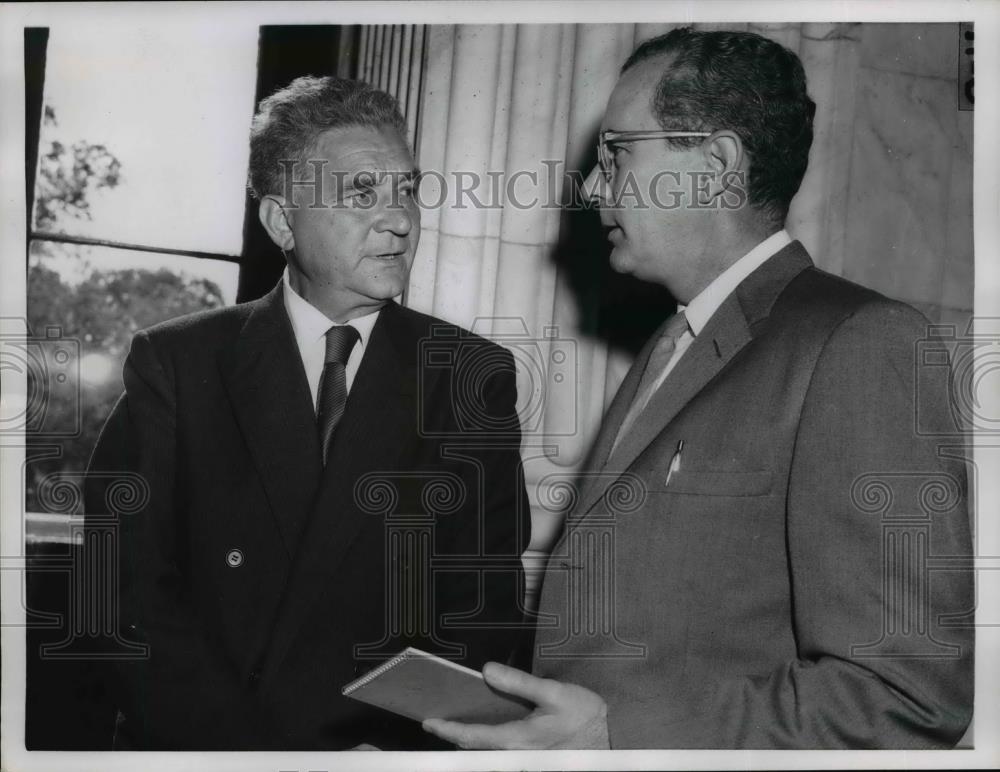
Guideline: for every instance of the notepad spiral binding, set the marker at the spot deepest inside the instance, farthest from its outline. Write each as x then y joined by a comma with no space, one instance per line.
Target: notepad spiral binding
373,674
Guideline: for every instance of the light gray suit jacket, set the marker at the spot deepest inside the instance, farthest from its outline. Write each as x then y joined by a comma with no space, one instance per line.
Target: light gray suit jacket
793,586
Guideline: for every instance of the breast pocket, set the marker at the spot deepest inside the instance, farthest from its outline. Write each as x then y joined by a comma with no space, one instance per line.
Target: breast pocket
718,483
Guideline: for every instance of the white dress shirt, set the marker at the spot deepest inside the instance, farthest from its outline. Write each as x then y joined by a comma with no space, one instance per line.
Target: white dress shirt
704,305
310,326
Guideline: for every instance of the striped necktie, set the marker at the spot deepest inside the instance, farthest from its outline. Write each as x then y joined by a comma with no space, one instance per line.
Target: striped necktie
660,357
340,341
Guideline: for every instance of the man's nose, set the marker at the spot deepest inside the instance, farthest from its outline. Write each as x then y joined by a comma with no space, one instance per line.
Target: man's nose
396,218
595,188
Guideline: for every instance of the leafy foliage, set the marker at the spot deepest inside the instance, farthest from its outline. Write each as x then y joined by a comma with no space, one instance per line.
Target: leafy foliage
67,176
101,311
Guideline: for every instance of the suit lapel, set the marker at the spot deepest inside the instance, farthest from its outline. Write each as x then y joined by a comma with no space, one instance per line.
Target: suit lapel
728,331
269,393
622,400
613,419
380,411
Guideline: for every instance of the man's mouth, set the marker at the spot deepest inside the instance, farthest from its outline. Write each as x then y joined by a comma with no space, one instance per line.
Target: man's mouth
389,256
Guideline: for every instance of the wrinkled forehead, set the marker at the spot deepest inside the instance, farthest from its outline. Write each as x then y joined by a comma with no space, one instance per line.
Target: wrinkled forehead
630,106
357,149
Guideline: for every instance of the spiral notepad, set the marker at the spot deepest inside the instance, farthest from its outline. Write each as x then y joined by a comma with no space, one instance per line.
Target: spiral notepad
419,685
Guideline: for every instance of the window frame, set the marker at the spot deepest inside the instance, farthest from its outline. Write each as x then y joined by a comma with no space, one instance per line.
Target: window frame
284,52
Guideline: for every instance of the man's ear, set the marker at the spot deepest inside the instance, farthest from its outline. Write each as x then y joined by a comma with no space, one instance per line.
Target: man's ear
725,158
274,218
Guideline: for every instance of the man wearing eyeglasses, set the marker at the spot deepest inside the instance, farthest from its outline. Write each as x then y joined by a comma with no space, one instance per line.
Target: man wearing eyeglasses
767,582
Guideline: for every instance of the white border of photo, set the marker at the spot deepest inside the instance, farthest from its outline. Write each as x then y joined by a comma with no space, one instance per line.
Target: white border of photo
117,18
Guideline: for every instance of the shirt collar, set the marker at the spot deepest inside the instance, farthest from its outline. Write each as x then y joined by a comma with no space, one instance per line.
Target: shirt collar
707,302
310,324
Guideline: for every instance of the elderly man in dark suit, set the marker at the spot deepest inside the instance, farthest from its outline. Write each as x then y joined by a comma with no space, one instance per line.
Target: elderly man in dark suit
314,458
746,565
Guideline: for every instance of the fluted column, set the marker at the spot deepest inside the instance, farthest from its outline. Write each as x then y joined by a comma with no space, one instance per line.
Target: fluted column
818,217
392,59
464,136
435,101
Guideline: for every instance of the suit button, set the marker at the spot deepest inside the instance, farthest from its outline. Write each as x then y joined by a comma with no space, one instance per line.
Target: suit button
254,677
234,558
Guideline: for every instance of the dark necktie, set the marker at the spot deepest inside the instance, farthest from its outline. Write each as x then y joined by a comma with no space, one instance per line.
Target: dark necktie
340,341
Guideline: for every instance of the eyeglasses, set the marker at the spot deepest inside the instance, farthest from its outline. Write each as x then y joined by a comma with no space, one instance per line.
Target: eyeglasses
605,157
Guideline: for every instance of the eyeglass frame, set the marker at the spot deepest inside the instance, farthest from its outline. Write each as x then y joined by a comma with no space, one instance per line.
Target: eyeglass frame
604,158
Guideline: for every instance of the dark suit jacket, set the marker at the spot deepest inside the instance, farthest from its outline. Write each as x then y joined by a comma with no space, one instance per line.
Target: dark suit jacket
254,575
787,588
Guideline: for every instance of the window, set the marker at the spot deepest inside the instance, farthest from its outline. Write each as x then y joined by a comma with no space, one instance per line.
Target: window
139,210
136,163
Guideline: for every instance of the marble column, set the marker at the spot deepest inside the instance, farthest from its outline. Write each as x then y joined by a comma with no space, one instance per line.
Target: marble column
830,56
789,34
391,58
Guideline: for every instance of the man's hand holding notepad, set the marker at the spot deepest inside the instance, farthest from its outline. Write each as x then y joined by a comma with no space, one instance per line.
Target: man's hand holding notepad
504,708
419,685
